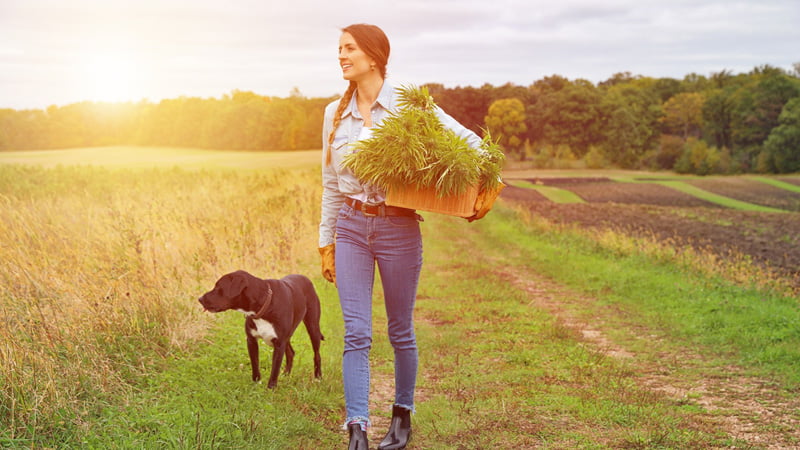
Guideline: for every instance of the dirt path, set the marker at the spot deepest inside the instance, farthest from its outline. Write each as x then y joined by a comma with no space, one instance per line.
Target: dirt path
381,397
746,408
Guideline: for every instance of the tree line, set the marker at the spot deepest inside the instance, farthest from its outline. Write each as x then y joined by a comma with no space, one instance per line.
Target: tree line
722,123
236,121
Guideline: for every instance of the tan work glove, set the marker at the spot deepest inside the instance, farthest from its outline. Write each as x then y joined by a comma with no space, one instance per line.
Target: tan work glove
484,201
328,262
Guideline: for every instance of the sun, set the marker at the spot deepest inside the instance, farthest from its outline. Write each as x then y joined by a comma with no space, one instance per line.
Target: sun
111,77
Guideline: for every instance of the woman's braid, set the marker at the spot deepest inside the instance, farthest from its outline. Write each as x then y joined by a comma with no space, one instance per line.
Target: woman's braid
337,118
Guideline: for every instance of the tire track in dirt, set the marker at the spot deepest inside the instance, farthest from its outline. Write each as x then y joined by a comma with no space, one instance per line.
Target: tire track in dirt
750,409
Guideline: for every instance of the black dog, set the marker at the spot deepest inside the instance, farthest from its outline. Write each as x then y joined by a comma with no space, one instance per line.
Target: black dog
273,310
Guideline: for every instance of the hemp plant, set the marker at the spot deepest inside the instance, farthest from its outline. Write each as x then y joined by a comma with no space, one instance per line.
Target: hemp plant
411,147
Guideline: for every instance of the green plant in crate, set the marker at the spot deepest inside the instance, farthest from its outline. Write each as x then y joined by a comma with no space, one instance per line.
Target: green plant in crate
412,147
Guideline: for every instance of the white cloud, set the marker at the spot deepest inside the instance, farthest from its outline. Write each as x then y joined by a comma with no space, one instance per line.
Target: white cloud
208,48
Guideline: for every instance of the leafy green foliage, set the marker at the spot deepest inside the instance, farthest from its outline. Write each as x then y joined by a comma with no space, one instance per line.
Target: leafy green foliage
412,147
506,118
782,148
568,113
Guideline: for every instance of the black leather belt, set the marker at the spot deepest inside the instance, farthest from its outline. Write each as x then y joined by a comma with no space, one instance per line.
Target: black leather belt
379,210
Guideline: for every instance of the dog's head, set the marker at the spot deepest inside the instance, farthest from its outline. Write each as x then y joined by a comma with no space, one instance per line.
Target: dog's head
237,290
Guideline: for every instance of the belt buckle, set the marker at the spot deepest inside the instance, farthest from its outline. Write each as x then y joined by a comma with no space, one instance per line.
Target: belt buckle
364,210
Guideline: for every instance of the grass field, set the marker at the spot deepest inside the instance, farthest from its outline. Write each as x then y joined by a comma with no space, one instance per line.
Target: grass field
152,157
532,335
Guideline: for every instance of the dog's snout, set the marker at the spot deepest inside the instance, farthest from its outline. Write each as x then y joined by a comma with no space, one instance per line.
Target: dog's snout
205,302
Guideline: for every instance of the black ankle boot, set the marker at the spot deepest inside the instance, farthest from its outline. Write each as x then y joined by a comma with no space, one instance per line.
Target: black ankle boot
358,437
399,432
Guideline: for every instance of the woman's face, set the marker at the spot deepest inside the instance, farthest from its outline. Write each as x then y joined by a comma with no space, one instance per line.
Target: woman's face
355,64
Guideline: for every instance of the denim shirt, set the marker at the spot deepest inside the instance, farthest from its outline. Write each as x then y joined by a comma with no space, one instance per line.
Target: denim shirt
339,182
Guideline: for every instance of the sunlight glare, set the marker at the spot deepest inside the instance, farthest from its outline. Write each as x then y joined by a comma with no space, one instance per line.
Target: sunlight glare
111,78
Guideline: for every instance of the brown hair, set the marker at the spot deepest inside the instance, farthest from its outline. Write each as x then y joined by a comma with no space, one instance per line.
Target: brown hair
373,41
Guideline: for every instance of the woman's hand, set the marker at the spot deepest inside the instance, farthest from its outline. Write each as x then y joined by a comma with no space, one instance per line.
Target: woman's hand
328,262
484,201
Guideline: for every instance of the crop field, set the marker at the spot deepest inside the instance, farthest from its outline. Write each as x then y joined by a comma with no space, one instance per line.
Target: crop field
587,310
649,207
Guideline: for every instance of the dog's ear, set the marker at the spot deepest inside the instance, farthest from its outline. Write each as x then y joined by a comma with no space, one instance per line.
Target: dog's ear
232,284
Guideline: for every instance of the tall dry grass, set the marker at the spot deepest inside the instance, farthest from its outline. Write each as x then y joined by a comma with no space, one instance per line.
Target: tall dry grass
100,271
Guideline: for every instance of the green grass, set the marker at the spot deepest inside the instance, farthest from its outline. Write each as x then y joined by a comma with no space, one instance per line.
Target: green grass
715,198
750,326
488,355
553,194
778,184
124,254
206,399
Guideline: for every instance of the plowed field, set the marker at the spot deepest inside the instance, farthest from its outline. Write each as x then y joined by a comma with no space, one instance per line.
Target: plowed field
770,239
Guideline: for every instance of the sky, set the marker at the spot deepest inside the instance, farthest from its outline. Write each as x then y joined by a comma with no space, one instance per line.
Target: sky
57,52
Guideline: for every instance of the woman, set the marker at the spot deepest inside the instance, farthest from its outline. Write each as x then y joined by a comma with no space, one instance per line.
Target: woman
364,231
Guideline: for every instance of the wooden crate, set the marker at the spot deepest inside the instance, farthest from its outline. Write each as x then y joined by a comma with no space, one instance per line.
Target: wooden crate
427,200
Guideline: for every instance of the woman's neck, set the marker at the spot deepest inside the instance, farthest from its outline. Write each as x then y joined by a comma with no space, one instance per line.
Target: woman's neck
368,90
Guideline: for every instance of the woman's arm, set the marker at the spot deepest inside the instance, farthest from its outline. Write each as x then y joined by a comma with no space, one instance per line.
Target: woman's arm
461,131
332,198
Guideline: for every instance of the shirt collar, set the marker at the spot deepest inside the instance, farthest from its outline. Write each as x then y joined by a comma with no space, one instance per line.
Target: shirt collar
384,100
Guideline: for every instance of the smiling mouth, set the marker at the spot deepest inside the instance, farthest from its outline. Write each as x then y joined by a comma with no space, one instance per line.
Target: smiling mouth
346,66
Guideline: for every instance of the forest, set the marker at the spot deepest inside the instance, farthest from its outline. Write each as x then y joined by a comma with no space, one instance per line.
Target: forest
724,123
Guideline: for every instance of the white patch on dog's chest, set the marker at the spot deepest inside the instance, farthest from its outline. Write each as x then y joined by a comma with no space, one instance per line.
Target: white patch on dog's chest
264,330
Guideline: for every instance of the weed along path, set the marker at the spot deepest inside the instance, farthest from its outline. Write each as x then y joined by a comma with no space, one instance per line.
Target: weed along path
749,409
607,371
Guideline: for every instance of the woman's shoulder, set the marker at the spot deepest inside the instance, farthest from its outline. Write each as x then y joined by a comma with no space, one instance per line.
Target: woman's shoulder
330,108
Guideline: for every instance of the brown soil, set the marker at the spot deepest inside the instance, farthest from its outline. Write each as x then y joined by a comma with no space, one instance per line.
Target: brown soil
790,179
771,240
752,191
599,190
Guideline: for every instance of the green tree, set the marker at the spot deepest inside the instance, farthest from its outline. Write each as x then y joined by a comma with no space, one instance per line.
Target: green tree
506,124
631,123
669,151
782,149
566,113
695,83
758,106
683,114
698,158
666,88
718,111
468,105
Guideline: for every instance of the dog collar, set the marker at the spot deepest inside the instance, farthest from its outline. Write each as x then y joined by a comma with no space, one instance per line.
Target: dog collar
264,307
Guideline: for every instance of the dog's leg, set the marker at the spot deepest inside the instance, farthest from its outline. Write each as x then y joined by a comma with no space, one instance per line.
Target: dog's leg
289,358
277,358
311,321
317,360
252,350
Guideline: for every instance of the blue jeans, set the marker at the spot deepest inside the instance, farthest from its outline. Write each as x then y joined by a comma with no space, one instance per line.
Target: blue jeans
395,243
